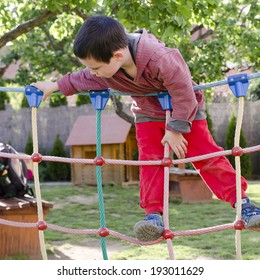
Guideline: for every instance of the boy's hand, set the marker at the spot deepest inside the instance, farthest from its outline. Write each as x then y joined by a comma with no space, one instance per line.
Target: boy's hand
177,142
46,87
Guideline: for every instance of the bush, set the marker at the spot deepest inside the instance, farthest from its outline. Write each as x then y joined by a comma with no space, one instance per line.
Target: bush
82,99
3,96
246,161
254,90
43,173
29,145
210,123
57,100
25,103
58,171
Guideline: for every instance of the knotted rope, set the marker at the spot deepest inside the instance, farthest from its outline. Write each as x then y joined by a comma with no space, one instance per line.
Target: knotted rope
99,161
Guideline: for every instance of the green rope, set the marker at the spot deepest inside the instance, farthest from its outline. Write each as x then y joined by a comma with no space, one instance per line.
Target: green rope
99,184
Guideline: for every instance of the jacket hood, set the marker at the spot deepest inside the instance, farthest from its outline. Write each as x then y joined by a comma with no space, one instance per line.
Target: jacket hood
144,46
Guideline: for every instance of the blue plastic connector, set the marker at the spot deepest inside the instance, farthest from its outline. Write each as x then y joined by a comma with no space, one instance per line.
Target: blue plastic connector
99,98
238,84
33,95
165,101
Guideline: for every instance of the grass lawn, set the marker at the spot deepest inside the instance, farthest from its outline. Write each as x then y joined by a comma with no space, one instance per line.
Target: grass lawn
78,208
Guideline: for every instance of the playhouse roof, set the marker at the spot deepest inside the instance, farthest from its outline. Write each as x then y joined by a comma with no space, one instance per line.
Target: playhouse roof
114,130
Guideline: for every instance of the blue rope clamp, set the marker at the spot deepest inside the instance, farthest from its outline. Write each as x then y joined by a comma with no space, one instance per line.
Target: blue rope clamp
99,98
238,84
165,100
33,95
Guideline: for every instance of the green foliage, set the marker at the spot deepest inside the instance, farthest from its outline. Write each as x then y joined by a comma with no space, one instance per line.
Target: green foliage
58,171
24,103
82,99
232,26
57,100
29,145
43,172
254,90
2,100
3,97
210,123
246,162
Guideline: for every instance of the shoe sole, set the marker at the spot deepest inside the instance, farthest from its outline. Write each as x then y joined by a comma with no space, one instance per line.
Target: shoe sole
254,222
146,231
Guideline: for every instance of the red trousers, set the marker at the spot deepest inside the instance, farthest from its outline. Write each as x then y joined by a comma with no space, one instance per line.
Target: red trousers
217,173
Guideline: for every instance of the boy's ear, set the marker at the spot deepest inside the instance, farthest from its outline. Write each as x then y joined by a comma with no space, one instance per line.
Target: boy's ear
118,55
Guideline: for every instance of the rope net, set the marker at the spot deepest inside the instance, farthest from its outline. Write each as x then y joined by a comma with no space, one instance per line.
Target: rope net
99,161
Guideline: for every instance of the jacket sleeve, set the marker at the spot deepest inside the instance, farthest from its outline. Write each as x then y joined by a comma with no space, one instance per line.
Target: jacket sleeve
175,76
82,80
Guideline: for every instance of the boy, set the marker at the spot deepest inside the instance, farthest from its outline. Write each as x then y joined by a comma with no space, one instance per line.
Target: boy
139,64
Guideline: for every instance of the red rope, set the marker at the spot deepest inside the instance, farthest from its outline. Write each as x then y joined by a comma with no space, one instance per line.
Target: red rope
169,235
122,236
129,162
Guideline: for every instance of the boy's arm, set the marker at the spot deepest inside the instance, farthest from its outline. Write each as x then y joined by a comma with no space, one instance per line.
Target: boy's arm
175,76
72,83
80,81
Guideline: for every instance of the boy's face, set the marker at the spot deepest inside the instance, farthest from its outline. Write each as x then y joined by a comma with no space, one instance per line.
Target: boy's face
102,69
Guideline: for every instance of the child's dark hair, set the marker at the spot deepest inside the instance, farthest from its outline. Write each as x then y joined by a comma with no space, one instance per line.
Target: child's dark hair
99,37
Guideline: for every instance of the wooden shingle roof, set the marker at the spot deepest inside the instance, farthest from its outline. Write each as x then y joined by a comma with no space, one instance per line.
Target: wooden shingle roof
114,130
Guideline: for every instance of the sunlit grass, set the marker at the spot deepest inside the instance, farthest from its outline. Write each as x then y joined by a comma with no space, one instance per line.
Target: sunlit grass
78,208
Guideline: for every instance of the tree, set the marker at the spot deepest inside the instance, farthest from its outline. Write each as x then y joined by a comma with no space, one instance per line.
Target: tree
48,29
211,34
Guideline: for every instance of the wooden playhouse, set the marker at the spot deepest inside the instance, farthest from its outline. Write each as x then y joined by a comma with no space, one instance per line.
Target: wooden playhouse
118,142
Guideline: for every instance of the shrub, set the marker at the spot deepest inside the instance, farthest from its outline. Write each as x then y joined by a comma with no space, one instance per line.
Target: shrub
82,99
57,100
210,123
246,161
24,103
254,90
29,145
3,96
58,171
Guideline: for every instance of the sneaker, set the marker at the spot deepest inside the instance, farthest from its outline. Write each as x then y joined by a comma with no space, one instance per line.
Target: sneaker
250,214
149,229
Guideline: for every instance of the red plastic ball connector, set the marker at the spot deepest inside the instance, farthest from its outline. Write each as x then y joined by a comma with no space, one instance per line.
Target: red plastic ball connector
100,161
41,225
237,151
36,157
103,232
168,234
239,225
167,162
